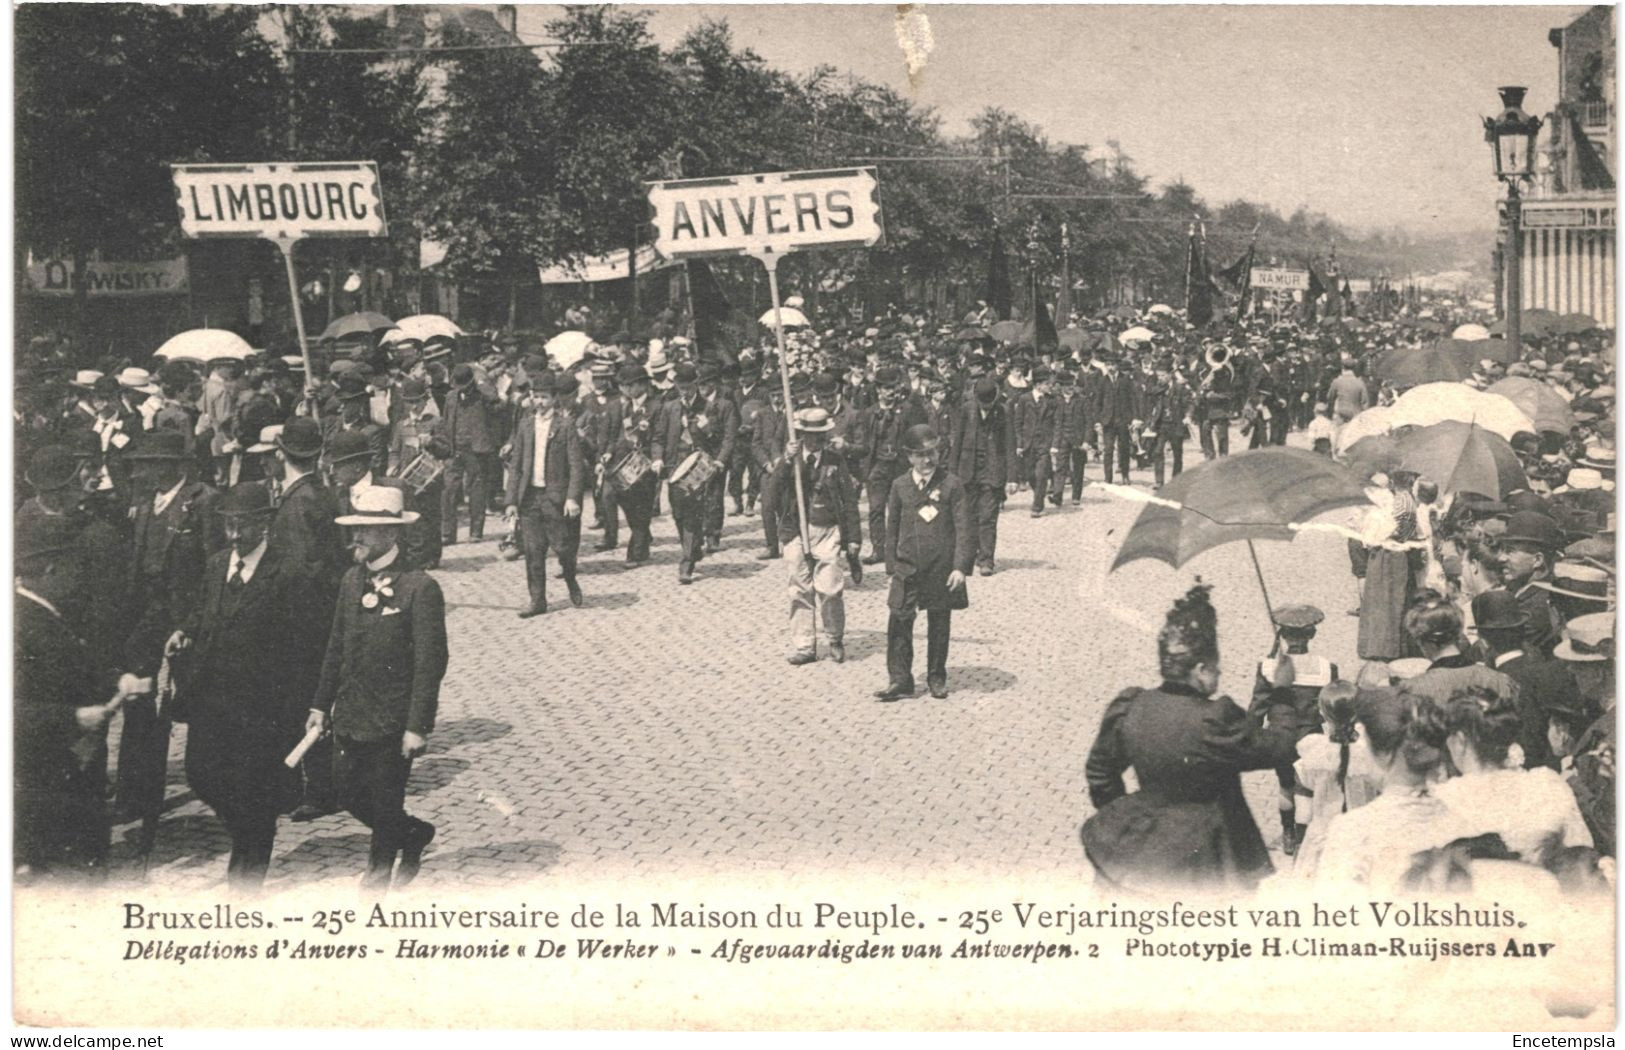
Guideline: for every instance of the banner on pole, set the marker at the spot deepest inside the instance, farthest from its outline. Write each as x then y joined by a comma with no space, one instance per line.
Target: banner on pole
1281,280
768,214
616,266
280,201
57,277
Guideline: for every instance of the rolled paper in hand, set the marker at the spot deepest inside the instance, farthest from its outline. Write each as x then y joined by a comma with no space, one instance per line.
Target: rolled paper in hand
313,734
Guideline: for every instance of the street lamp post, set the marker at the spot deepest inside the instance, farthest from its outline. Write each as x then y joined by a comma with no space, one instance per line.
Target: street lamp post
1511,136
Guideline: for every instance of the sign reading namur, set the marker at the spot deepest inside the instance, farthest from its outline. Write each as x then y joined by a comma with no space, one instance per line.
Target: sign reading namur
1280,280
280,201
766,214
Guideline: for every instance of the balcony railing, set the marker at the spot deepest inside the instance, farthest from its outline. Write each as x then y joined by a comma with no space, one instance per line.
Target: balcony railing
1596,114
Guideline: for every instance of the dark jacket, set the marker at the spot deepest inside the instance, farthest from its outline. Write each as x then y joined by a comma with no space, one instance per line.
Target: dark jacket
1039,423
256,658
712,427
166,570
472,420
381,675
929,534
1118,402
886,427
57,800
994,437
1077,420
1544,685
832,498
1188,825
767,438
305,535
562,465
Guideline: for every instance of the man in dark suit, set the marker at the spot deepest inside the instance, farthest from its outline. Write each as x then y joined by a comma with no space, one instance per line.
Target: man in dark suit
896,410
302,531
176,530
727,412
60,821
544,492
1168,403
351,459
693,423
380,682
1544,684
928,555
355,401
1039,435
982,455
256,638
472,419
1117,416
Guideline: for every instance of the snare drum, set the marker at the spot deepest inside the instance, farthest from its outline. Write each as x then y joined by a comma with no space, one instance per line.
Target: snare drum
632,468
422,472
691,474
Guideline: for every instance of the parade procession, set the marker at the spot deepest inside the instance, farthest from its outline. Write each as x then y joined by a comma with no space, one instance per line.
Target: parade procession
568,496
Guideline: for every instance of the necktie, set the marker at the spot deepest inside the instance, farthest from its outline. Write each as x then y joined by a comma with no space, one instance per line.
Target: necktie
235,582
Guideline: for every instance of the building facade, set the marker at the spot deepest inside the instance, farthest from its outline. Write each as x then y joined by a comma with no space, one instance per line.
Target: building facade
1568,255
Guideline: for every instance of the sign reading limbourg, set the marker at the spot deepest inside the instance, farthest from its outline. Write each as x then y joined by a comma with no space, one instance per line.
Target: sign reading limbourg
280,201
766,214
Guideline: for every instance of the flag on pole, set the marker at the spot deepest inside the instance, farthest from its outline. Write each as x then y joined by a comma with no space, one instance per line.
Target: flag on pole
1063,304
998,279
1198,286
1238,278
1316,290
710,306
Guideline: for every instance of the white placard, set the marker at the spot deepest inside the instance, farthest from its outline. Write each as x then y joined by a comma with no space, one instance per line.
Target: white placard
280,201
766,214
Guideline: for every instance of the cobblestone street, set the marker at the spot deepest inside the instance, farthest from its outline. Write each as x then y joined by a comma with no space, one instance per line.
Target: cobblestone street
660,731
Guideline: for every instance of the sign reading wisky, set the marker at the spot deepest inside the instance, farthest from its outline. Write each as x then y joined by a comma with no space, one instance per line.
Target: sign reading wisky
766,214
1280,280
280,201
57,277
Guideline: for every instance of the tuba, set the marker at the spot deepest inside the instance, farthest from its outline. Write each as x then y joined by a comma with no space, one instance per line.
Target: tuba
1218,357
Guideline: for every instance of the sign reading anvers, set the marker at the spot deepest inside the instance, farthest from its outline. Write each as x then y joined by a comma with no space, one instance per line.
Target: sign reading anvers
280,201
766,214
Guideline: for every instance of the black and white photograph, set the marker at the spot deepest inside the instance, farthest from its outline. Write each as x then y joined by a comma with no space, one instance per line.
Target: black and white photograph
779,516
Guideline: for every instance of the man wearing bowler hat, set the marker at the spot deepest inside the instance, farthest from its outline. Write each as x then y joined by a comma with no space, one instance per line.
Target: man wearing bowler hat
416,431
1529,548
928,555
833,531
1543,683
983,456
354,396
256,639
471,427
544,492
176,529
380,682
895,411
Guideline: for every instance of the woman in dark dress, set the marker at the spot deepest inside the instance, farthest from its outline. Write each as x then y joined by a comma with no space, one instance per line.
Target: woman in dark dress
1188,827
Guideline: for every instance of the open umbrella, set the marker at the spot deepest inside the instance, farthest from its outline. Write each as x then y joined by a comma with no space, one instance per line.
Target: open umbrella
1253,495
793,318
1462,457
1073,338
1123,313
424,327
1573,324
205,344
1436,402
1159,308
1374,454
1006,331
365,323
1470,333
1137,334
1405,367
1372,421
1542,404
970,334
568,348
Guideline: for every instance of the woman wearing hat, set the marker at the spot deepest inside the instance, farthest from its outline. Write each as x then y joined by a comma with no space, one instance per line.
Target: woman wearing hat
380,681
1392,541
1188,825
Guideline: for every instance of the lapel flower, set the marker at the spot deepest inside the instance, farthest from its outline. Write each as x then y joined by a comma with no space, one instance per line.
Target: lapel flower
380,589
936,494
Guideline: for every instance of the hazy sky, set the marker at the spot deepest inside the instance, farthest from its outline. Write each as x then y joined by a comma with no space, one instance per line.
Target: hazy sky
1370,114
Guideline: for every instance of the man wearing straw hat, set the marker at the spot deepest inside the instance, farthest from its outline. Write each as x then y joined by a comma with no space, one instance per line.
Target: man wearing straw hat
833,528
380,681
